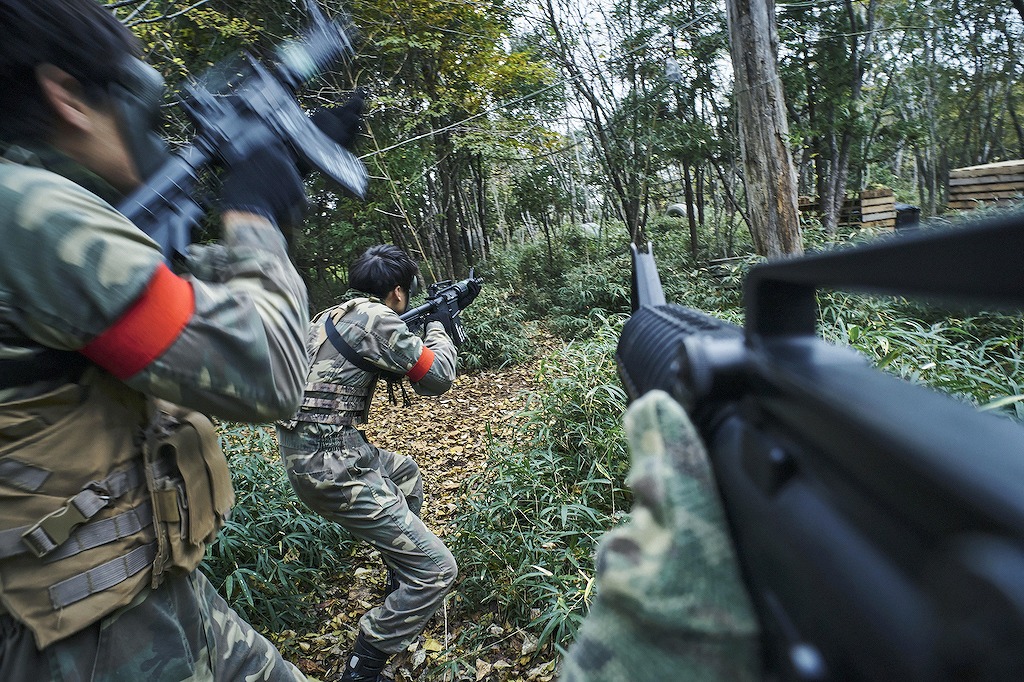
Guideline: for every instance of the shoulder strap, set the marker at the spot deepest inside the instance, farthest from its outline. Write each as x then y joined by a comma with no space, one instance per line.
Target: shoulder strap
352,356
42,366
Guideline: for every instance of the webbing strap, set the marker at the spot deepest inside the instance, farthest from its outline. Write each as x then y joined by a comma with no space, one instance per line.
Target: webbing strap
322,387
55,528
84,537
333,404
101,532
52,530
103,577
352,356
345,419
22,476
10,542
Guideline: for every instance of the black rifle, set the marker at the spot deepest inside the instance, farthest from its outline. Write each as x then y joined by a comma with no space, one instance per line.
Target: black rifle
445,302
879,524
238,107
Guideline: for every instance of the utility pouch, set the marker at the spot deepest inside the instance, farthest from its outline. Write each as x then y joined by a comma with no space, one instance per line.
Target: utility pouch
190,486
75,533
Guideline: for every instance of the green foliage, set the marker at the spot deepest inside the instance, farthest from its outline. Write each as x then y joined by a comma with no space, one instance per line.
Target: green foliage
274,554
574,286
527,532
497,331
326,243
979,358
590,292
533,274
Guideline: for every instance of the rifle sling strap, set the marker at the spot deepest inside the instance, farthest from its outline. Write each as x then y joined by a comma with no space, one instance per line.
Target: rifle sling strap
352,356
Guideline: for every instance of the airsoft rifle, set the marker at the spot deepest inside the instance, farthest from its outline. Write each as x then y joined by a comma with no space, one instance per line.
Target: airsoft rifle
445,302
239,106
879,525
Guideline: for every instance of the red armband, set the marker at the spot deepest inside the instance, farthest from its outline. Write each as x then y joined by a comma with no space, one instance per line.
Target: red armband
148,328
422,366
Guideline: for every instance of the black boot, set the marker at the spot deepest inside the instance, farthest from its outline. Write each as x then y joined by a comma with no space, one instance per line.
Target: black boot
365,664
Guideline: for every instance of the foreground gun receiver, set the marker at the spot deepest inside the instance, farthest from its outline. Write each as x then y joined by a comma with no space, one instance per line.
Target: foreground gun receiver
879,524
239,107
445,302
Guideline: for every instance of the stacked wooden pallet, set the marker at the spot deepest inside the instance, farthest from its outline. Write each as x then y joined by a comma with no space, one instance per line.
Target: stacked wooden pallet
870,208
878,208
991,183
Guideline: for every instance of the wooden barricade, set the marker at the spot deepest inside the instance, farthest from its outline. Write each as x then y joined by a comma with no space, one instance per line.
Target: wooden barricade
991,183
878,208
870,208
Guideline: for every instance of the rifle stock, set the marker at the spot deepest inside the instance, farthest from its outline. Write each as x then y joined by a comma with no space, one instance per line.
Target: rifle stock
879,525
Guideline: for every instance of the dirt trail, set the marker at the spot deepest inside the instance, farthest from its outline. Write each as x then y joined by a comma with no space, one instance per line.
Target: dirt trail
447,436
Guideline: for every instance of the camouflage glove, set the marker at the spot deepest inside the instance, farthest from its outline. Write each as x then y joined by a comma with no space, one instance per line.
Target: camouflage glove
670,604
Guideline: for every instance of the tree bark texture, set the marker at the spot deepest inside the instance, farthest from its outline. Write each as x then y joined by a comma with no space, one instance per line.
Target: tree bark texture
769,174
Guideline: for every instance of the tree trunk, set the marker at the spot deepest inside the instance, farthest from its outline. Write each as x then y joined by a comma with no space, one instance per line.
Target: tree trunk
481,206
764,133
448,169
690,208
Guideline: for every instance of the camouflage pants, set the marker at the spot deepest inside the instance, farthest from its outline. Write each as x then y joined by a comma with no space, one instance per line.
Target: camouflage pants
181,631
671,604
376,496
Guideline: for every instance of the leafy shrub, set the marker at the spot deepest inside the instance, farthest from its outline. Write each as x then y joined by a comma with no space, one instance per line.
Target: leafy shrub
527,532
539,274
590,293
497,329
978,358
531,272
273,555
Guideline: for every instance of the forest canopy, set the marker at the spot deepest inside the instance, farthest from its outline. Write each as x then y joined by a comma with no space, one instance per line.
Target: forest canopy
495,123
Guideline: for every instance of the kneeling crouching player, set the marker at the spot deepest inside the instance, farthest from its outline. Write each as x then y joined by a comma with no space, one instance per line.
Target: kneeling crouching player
375,494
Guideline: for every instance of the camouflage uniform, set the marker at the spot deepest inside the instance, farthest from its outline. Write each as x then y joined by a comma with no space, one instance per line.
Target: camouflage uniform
670,604
375,494
70,268
183,630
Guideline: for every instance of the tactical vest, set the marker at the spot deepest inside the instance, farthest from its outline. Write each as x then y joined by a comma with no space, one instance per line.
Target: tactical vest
103,492
328,402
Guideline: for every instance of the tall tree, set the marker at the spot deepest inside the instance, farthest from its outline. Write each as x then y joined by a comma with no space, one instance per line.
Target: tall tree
441,76
769,174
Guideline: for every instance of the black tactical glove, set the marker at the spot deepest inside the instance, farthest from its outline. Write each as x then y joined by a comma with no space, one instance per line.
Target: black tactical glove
342,124
440,314
266,181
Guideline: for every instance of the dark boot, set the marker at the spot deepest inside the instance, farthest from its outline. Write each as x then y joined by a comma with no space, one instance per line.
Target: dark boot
365,664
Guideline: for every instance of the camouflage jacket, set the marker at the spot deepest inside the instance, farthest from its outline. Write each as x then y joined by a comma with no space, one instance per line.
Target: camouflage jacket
338,393
72,267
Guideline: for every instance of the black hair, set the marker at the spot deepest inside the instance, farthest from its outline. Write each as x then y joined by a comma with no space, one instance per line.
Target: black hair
380,269
79,37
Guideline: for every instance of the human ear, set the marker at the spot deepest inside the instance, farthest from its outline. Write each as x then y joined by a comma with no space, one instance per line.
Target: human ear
65,96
